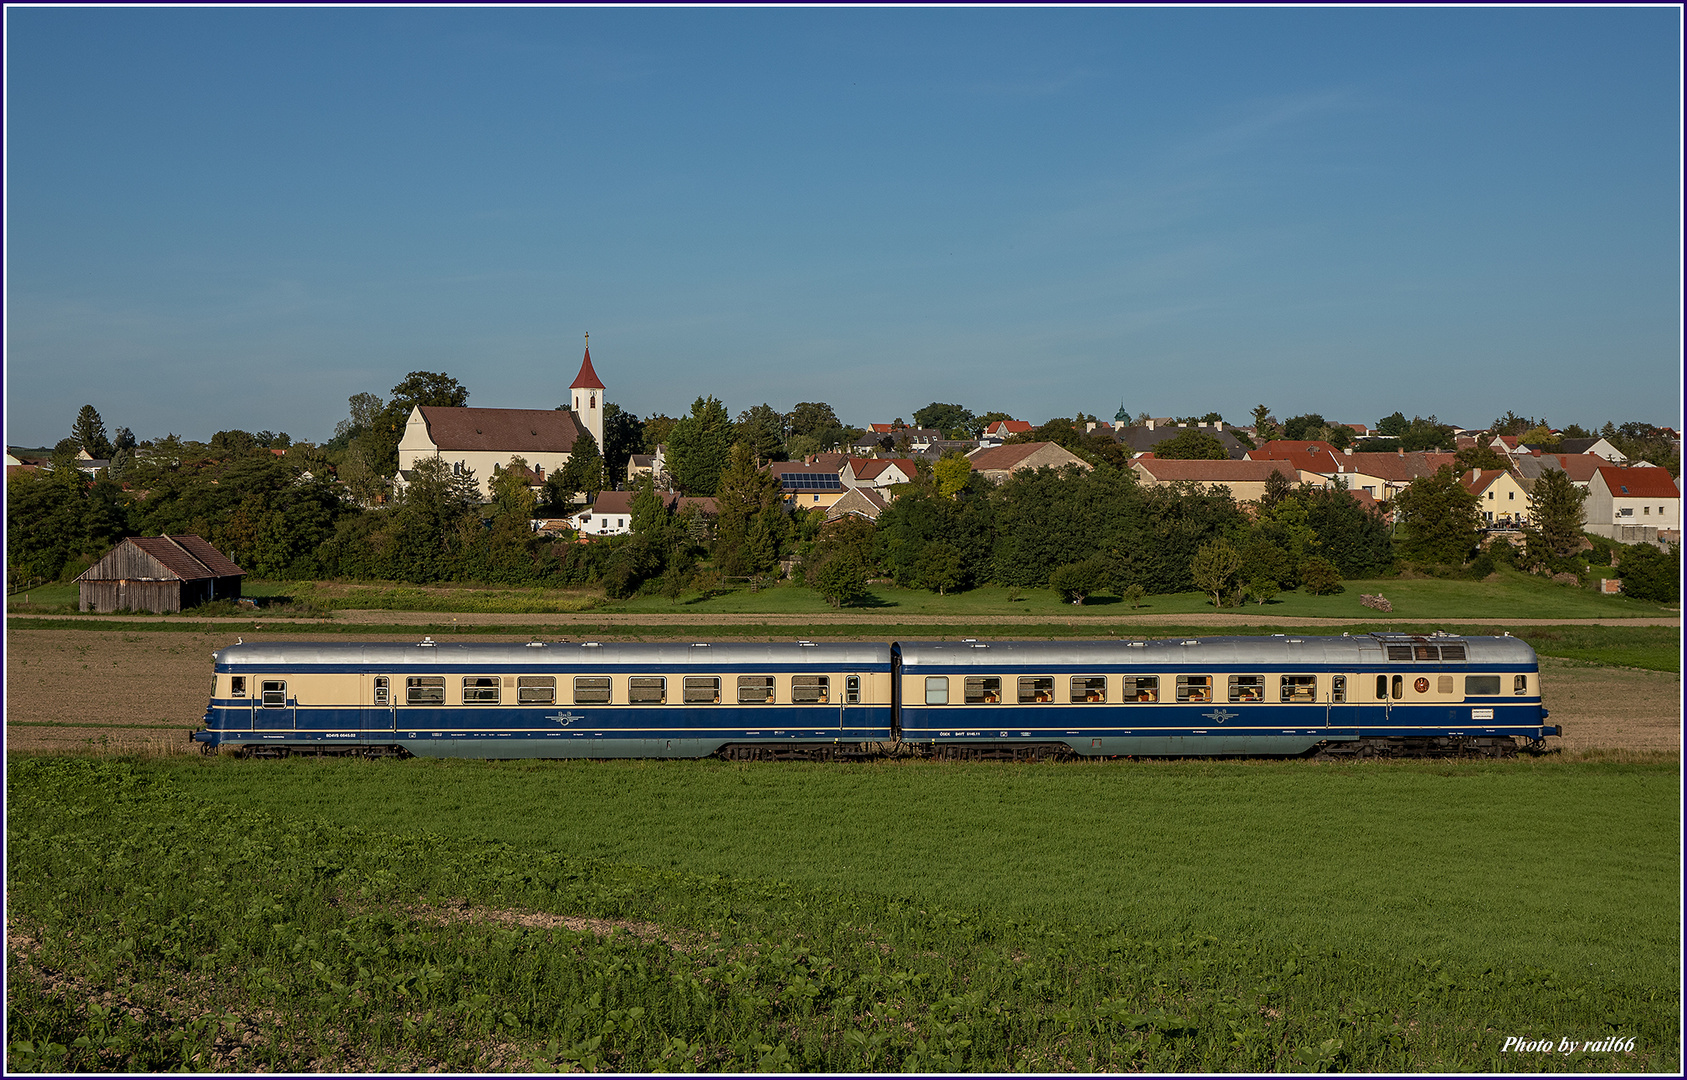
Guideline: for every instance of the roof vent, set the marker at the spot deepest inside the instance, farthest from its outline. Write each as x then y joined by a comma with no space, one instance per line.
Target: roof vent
807,644
980,644
426,643
1138,644
699,644
1193,641
591,645
535,644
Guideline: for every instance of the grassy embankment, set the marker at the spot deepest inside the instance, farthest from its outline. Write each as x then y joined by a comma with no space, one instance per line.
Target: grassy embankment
1509,595
1174,916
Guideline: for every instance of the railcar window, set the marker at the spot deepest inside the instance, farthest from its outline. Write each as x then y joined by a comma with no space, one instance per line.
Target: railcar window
1036,690
983,690
1481,685
1425,652
647,690
591,690
1444,684
275,694
424,690
1520,684
1382,687
237,686
702,690
1338,688
937,690
480,690
1398,688
1194,688
1247,688
1145,688
536,690
811,689
1453,653
1089,689
381,690
755,689
1399,652
852,689
1299,688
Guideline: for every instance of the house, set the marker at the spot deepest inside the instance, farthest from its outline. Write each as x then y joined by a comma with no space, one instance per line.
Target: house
1633,504
1382,475
1597,446
158,573
999,431
484,440
611,513
1142,438
940,447
1313,459
862,502
1503,498
1245,479
997,463
806,486
1579,467
876,472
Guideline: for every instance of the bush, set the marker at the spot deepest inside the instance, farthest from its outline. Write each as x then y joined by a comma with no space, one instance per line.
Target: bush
1650,574
1481,566
1320,577
1075,581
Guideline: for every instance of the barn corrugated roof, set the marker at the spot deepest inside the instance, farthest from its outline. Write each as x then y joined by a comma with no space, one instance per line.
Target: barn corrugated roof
215,561
504,431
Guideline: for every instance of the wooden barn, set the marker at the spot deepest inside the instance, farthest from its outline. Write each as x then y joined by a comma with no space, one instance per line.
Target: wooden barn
159,573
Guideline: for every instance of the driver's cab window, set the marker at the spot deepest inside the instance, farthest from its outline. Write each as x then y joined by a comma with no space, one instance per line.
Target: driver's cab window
382,690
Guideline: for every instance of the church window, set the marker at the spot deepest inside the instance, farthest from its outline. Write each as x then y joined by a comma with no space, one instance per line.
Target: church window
591,402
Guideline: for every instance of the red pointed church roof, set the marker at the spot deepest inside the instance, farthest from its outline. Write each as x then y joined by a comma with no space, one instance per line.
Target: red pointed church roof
587,379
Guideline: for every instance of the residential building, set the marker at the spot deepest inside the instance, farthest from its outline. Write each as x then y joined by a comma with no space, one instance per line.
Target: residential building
1633,504
998,463
806,486
1502,496
876,472
1246,480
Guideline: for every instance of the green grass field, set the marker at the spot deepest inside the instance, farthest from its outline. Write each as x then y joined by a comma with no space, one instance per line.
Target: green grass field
1121,916
1511,595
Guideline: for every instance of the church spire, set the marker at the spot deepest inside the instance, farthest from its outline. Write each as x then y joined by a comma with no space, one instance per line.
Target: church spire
587,379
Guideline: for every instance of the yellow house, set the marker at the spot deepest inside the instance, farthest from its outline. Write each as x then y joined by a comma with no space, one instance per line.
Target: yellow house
1504,502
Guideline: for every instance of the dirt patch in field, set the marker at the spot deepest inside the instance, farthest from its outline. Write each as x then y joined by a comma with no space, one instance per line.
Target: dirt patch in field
128,692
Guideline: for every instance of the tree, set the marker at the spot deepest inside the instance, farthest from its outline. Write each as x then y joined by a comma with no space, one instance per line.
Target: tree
812,418
763,430
623,436
434,389
656,431
1296,428
1554,534
1074,582
1266,427
1355,539
1393,425
1480,456
948,419
951,472
752,523
839,578
942,567
1542,439
1192,444
511,495
1423,434
1442,517
89,432
1319,577
582,472
1213,567
700,446
1650,574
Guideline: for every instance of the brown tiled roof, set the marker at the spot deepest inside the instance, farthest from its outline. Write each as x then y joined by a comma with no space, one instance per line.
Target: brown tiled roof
215,561
1213,472
587,379
1579,467
512,431
1396,467
1477,480
1008,427
1647,482
1007,458
1317,457
868,468
621,502
832,461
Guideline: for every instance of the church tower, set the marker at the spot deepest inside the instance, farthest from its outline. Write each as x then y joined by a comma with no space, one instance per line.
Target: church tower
587,395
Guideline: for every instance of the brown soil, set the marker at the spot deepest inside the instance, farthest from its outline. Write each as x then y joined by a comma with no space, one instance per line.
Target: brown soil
81,690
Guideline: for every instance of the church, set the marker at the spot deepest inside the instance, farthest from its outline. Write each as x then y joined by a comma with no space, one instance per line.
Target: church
484,440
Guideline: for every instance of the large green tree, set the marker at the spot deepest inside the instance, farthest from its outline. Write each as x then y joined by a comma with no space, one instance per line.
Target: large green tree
1555,519
752,524
581,473
762,429
1442,519
1192,444
700,447
948,419
89,431
623,436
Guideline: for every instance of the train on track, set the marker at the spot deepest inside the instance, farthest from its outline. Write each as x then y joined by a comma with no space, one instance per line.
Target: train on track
1283,695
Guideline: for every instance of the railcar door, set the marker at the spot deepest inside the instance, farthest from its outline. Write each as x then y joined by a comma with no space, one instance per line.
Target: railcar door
274,707
851,696
379,710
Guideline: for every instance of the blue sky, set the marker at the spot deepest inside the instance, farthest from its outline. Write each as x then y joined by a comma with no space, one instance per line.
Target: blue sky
237,218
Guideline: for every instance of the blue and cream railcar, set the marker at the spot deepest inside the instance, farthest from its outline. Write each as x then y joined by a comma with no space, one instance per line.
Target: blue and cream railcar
1280,695
551,700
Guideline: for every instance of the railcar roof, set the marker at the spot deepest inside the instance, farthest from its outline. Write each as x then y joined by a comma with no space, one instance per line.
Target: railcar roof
399,654
1274,650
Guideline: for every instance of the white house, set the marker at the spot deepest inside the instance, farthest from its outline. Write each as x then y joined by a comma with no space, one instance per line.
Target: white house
1626,503
876,472
484,440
